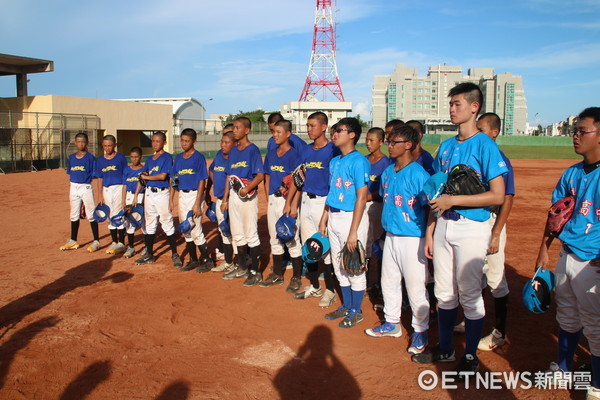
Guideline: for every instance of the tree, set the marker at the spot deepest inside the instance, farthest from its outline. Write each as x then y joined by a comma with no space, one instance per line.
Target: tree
363,124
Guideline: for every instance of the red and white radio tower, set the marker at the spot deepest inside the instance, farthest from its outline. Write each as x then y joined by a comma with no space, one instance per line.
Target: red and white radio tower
322,70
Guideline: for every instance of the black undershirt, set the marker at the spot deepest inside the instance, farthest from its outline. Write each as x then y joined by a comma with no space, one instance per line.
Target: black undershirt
587,168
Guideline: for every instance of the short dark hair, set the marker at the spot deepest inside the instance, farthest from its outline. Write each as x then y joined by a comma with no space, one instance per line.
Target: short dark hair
229,125
229,134
287,125
406,132
471,92
83,135
590,112
136,149
492,119
244,120
110,138
394,123
189,132
320,116
377,131
161,134
354,126
274,118
417,125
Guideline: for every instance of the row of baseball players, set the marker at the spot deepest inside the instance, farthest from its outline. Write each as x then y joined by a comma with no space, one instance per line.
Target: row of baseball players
458,232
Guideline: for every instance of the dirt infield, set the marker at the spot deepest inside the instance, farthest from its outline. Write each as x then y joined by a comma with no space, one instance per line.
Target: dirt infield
78,325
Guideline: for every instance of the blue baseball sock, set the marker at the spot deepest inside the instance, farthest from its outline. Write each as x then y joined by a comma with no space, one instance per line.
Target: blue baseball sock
596,371
567,344
346,296
357,298
446,321
473,332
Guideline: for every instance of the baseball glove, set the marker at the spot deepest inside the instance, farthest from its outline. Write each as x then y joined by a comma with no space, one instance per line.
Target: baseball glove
175,181
284,188
142,182
299,175
463,180
82,214
354,262
559,214
238,184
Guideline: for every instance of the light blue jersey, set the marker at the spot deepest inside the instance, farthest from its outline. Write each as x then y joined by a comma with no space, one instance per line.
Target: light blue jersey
402,213
347,174
581,234
478,152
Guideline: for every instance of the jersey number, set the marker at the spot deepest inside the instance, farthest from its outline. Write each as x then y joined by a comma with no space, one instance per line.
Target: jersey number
589,226
406,216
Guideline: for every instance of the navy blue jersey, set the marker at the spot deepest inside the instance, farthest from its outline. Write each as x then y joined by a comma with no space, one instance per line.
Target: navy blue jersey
219,170
425,160
402,213
278,167
245,163
581,234
81,170
191,171
111,171
478,152
509,178
376,171
317,167
294,140
130,178
347,174
163,164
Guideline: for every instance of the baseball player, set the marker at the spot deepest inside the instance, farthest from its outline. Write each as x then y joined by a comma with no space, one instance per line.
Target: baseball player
577,270
404,219
278,164
391,125
458,232
190,168
80,168
110,168
421,156
489,124
316,158
157,206
245,162
294,140
379,162
131,179
218,176
343,219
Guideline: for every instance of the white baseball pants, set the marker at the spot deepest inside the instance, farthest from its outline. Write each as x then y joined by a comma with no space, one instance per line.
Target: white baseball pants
81,193
130,228
186,203
311,211
275,211
243,220
113,198
494,275
156,206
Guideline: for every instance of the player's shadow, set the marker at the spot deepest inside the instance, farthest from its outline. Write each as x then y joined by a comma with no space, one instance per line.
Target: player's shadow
316,372
87,381
19,340
178,390
83,275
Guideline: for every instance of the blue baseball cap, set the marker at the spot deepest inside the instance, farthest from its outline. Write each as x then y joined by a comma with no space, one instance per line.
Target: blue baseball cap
211,212
101,212
187,224
285,227
537,293
433,188
136,215
119,219
315,248
224,225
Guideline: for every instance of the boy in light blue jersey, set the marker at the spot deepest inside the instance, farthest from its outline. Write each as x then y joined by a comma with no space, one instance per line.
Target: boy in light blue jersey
80,168
343,218
458,238
578,267
404,219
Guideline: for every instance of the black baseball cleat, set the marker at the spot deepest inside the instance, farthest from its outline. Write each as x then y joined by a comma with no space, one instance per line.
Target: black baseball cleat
177,263
432,355
205,266
192,264
145,259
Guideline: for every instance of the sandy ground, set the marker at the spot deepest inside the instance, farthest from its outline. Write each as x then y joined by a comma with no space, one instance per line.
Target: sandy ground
78,325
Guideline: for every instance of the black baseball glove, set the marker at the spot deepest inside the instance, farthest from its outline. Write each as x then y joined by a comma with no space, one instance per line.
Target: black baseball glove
463,180
354,262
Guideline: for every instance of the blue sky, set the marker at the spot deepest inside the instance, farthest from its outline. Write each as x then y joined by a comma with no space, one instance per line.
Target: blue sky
246,55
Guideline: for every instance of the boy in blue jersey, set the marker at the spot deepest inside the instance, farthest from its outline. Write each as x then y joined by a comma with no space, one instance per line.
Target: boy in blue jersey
217,173
190,168
316,158
294,140
458,232
80,168
110,168
577,270
379,162
404,219
343,218
280,163
131,178
420,155
245,162
156,172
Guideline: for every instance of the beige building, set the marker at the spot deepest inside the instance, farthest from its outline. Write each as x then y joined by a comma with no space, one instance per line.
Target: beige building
405,95
298,112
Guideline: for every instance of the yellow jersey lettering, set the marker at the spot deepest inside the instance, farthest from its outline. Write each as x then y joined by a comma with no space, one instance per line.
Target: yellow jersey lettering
188,171
240,164
78,168
277,168
314,164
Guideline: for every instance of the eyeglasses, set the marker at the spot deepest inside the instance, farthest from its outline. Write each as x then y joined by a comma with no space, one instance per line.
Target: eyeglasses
392,143
580,132
338,130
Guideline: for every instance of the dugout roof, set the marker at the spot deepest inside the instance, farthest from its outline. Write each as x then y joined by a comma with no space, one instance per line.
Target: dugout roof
20,67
